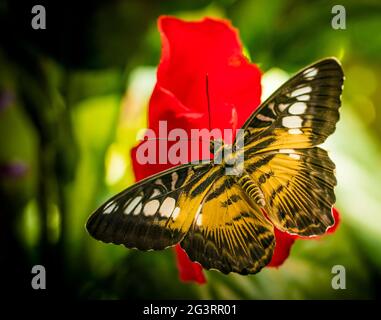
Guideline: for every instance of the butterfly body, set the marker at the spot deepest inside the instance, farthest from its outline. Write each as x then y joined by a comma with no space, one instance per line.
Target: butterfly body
223,212
252,189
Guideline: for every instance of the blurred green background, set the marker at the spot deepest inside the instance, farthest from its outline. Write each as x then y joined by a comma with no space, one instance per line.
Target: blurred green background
72,98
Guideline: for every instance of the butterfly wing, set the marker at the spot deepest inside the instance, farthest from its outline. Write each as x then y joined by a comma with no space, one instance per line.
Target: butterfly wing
308,102
298,188
154,213
280,149
229,232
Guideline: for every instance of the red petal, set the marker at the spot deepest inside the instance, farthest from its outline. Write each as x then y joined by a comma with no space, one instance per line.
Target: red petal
142,171
164,106
336,216
234,119
193,50
284,242
188,270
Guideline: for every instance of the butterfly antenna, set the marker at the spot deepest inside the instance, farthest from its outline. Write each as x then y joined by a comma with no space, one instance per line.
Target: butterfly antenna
208,100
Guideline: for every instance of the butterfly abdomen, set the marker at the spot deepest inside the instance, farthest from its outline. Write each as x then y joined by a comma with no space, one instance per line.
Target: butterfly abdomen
252,189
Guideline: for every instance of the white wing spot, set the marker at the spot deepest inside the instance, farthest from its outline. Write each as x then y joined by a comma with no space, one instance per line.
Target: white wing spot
294,156
110,207
175,176
159,182
132,205
271,107
286,150
167,207
291,153
310,73
301,91
298,108
138,209
155,193
150,208
176,213
282,107
199,220
295,131
264,118
292,122
199,216
304,97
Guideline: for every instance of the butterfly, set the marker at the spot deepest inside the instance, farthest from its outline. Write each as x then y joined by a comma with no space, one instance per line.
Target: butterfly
226,222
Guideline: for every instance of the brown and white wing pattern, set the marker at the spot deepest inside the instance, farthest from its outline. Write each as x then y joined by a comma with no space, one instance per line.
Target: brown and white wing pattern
156,212
280,149
298,188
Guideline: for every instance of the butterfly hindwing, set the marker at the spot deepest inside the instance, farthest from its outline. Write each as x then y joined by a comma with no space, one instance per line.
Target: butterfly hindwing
297,186
152,214
229,232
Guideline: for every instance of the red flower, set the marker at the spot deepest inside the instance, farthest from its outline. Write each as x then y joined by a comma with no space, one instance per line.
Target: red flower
194,54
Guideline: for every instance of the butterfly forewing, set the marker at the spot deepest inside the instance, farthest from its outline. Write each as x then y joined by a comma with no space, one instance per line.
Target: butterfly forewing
296,177
151,214
302,112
